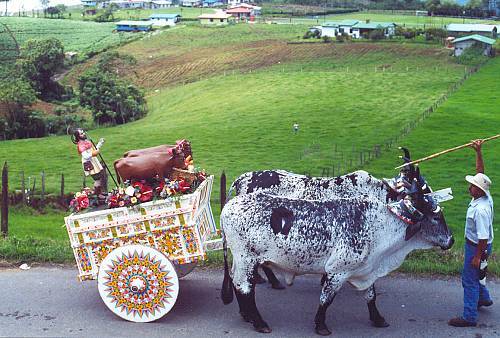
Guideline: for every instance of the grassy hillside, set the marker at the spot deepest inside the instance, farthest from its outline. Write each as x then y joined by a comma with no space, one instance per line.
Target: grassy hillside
80,37
472,112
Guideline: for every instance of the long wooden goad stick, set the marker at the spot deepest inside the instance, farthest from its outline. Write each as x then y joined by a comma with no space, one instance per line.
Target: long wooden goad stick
445,151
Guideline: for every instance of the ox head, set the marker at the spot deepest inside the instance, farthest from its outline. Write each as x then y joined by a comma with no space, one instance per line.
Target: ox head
427,216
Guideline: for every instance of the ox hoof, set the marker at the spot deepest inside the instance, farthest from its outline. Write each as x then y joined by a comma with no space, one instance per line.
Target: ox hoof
264,328
380,323
278,286
245,317
322,330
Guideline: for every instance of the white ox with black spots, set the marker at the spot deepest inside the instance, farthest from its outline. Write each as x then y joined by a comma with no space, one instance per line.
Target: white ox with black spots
288,184
355,240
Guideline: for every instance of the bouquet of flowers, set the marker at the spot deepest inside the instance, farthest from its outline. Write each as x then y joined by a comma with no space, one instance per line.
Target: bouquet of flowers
83,200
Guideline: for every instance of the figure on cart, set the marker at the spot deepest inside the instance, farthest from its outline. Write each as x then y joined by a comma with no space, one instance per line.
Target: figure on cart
90,162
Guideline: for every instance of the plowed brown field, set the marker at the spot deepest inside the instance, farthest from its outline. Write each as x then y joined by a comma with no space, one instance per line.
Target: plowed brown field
158,70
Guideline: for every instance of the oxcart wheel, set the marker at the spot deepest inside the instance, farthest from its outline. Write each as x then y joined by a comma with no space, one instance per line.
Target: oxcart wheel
184,269
138,283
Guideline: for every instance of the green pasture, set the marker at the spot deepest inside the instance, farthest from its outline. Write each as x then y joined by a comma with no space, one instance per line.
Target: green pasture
403,20
77,36
471,112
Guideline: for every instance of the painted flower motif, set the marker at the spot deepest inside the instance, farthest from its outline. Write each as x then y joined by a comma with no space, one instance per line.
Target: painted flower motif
133,200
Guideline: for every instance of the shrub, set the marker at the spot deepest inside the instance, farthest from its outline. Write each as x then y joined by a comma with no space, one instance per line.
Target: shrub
376,34
437,34
326,39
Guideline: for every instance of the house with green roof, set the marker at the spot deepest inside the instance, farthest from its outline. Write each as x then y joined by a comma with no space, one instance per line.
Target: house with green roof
483,42
355,28
361,29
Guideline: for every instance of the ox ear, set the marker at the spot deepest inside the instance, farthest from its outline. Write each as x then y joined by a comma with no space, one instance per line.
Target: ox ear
411,230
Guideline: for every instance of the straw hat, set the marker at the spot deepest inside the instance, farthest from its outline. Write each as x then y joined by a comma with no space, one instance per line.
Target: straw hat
481,181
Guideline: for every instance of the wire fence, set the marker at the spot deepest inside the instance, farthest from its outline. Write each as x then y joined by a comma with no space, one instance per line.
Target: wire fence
346,160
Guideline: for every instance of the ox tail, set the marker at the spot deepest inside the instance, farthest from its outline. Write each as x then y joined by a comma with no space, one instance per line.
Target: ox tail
118,178
226,293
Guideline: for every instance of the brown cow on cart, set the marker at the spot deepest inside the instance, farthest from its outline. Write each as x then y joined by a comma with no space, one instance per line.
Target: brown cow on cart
156,164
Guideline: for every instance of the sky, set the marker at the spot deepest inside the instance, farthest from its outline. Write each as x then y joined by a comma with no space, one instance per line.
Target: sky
28,5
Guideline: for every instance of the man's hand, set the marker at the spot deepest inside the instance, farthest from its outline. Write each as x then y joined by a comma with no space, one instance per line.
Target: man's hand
476,144
100,143
476,262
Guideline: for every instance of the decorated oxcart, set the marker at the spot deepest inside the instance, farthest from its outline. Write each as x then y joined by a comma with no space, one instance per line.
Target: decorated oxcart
137,254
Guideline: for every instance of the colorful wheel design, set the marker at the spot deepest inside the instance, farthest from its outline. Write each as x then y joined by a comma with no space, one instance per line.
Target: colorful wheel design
138,283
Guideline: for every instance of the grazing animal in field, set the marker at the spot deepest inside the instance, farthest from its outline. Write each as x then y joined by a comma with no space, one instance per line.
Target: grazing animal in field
148,166
355,240
181,146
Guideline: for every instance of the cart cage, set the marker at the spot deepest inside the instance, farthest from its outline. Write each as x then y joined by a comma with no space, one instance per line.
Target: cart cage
177,226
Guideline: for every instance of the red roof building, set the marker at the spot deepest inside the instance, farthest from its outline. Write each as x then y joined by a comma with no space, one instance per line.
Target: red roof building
239,12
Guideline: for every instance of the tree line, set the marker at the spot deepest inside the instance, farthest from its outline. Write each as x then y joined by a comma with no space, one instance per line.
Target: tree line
473,8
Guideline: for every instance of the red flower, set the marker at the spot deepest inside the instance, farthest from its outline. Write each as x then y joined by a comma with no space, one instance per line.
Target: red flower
184,186
83,202
159,187
145,191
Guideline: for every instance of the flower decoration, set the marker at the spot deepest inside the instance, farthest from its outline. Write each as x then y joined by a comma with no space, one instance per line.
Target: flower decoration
83,200
139,191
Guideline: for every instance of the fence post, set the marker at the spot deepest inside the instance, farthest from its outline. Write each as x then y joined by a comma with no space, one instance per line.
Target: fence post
23,188
222,190
42,196
5,201
62,189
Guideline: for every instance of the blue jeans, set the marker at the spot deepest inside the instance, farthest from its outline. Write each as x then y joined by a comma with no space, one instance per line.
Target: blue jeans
473,290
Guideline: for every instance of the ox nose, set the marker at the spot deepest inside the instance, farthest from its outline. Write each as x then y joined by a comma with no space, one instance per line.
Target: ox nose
450,244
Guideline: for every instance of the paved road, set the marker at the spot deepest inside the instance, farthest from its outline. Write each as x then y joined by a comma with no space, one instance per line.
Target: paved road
51,302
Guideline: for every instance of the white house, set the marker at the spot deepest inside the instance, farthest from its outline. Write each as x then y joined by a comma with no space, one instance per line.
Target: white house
332,29
461,44
164,19
161,4
233,3
190,3
329,29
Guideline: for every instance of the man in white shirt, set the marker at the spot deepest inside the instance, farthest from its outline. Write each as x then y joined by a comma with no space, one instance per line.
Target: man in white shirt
478,240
